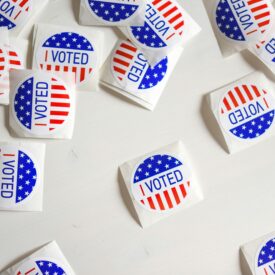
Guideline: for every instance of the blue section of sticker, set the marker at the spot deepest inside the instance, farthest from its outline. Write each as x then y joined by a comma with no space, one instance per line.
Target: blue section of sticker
26,176
50,268
5,22
155,165
254,128
112,12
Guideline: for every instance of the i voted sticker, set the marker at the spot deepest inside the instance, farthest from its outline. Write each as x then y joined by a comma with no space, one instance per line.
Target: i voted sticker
68,52
244,20
41,266
163,27
113,11
161,183
14,13
247,111
267,51
18,174
15,58
3,62
265,258
133,72
42,104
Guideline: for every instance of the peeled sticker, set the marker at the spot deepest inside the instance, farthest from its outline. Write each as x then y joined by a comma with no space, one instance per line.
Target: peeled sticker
161,183
133,72
244,21
41,104
41,266
247,111
14,13
113,11
163,27
19,176
68,52
265,258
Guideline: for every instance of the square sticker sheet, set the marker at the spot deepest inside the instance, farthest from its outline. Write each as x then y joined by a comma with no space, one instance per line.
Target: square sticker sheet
161,183
240,24
42,104
258,256
112,12
166,25
22,176
65,49
244,111
16,14
13,56
128,72
49,260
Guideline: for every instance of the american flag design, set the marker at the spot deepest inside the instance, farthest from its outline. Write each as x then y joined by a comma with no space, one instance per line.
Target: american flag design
13,13
265,260
161,183
133,72
244,20
163,27
18,175
113,11
43,266
14,62
247,111
42,104
68,52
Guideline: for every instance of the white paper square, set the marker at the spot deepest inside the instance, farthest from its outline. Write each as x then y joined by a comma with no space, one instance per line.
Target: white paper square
170,34
259,256
105,17
130,86
69,49
184,194
49,258
22,176
248,119
43,111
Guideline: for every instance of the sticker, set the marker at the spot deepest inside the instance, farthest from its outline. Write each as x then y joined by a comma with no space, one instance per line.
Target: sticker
244,20
247,111
161,183
68,52
41,266
42,104
113,10
3,62
163,25
18,176
15,58
132,71
14,13
267,51
265,259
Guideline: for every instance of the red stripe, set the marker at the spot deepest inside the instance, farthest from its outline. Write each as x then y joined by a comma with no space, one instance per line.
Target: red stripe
257,8
57,68
259,16
251,2
264,23
247,92
128,47
124,54
176,17
119,70
11,53
2,67
2,59
179,25
176,196
59,113
142,201
183,191
226,104
56,121
122,62
256,91
168,199
66,68
60,104
156,2
233,99
15,62
82,74
240,95
23,2
151,203
58,87
165,5
59,96
161,206
49,67
170,11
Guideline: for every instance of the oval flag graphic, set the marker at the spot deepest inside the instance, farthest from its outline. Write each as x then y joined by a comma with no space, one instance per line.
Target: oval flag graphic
18,176
247,111
13,13
244,20
42,104
41,266
265,259
113,10
68,52
161,183
163,27
133,72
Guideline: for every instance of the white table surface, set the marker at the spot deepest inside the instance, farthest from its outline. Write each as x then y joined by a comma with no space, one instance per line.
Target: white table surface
85,208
